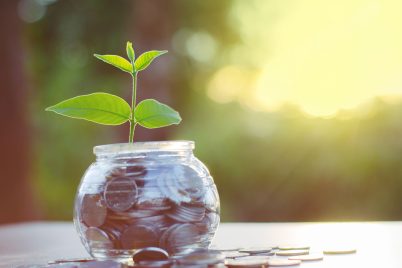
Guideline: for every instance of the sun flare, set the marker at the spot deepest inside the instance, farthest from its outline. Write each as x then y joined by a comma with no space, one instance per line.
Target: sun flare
322,56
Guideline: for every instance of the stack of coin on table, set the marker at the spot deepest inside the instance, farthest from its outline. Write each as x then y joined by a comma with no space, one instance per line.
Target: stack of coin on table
139,206
261,257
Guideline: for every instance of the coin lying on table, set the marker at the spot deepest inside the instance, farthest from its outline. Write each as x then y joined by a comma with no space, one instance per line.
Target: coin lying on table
246,263
309,257
101,264
272,253
70,260
334,251
154,264
256,250
235,254
282,262
254,257
292,252
294,247
201,257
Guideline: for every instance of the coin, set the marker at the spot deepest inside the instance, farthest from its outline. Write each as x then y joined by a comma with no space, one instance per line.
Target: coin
209,223
178,237
93,210
114,231
97,238
158,221
292,252
150,197
294,247
133,214
150,254
101,264
256,250
154,264
187,213
235,254
282,262
310,257
70,260
201,257
120,194
272,253
253,257
139,236
334,251
181,184
246,263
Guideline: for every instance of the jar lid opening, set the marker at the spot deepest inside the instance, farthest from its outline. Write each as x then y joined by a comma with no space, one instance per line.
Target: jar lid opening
179,145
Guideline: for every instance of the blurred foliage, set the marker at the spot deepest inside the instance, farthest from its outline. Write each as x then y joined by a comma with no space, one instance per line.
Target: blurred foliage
268,166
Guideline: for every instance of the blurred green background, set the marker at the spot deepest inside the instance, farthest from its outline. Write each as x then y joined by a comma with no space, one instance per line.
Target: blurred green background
293,105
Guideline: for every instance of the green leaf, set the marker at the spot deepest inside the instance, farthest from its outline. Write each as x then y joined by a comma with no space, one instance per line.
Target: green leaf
130,51
101,108
116,61
153,114
146,58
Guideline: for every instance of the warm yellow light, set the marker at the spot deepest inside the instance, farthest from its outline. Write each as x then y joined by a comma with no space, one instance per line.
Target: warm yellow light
321,55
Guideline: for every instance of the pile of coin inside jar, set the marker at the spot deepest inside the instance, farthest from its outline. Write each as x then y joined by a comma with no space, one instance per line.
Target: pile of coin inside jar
138,205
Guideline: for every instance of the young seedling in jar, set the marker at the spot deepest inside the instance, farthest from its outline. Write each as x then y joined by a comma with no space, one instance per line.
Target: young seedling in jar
107,109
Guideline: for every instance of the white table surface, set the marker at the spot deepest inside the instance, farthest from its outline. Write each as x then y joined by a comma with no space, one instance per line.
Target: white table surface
378,244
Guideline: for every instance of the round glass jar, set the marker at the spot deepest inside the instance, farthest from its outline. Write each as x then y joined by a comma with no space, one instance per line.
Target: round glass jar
145,194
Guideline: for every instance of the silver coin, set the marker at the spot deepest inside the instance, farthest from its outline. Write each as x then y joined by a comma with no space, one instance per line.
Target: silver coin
97,238
154,264
181,184
120,194
187,213
282,262
235,254
294,247
202,257
150,197
102,264
114,231
309,257
272,253
253,257
339,250
93,210
255,250
246,263
150,254
133,214
295,252
164,239
139,236
180,237
160,222
76,260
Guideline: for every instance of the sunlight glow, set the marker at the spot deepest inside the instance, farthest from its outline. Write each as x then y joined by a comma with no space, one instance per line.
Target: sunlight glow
323,56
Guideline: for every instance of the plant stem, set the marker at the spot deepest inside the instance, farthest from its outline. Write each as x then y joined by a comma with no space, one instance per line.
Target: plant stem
133,104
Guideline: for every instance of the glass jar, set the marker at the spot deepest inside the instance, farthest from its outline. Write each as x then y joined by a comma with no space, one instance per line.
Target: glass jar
146,194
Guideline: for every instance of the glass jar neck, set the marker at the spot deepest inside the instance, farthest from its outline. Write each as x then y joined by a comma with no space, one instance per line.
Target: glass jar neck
144,150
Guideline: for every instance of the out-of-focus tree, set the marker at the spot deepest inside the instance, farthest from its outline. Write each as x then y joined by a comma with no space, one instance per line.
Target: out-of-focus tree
16,195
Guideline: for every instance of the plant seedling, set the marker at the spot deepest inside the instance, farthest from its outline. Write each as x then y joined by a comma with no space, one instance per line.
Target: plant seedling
108,109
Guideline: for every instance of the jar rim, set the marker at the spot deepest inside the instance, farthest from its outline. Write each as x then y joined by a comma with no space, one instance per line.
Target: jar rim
144,146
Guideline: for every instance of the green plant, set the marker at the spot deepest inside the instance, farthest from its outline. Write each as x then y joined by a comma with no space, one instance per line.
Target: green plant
108,109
